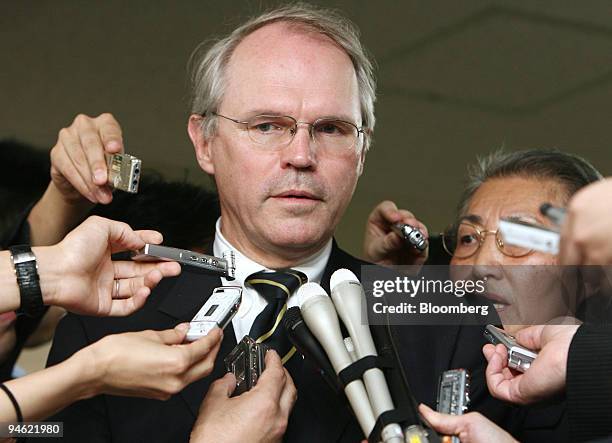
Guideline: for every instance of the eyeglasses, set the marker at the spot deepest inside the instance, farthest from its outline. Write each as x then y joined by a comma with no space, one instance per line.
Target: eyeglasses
465,239
273,132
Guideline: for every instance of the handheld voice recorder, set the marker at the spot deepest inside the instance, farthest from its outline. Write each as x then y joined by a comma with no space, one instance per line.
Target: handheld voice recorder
519,358
217,312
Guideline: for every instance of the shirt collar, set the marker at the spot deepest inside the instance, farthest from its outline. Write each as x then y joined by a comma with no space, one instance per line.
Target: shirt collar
313,266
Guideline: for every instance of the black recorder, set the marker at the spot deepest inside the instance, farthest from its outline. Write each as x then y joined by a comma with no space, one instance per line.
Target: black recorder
454,394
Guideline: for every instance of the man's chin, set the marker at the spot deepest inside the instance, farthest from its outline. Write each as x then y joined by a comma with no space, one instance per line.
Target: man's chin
298,235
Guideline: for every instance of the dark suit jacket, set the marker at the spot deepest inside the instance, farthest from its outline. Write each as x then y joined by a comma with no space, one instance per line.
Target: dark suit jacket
320,415
589,383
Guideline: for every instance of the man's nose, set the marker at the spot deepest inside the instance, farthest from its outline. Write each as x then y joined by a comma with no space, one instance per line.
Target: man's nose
300,153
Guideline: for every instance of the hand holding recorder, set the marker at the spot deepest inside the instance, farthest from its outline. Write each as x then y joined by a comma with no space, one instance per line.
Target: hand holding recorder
382,243
78,165
79,177
547,374
78,274
586,233
259,415
470,428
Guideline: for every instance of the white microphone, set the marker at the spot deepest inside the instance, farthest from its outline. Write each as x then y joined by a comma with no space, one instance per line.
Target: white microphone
348,296
321,318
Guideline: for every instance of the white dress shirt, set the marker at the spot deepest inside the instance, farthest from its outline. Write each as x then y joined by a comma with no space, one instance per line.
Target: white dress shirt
253,303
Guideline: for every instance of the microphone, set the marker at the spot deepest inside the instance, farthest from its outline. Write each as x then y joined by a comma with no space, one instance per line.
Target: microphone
320,316
303,340
414,431
348,296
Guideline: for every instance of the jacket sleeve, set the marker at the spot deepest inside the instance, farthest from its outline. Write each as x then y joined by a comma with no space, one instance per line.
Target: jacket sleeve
589,382
85,420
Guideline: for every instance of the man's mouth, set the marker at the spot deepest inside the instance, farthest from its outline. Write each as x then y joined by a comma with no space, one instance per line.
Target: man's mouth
297,195
499,302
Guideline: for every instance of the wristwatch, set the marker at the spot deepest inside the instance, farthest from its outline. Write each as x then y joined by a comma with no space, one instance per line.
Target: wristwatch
26,270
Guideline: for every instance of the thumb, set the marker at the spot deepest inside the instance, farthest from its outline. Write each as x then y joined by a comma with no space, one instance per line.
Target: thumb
530,337
174,336
223,387
443,423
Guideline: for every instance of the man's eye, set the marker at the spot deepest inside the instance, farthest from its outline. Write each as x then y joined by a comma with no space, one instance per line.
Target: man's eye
332,128
267,127
466,239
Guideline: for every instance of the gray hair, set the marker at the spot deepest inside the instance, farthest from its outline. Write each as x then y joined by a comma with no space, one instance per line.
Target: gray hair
570,171
208,64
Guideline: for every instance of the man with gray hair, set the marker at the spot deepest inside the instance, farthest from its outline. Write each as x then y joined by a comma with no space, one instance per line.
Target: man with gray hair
282,116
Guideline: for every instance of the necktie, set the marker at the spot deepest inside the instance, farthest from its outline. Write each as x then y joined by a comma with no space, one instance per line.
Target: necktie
275,287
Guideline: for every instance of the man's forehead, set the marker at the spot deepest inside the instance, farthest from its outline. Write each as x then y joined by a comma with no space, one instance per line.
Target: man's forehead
279,64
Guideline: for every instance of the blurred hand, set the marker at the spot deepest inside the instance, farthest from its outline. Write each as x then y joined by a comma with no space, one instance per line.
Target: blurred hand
586,232
152,364
78,166
258,416
79,275
383,246
472,427
547,374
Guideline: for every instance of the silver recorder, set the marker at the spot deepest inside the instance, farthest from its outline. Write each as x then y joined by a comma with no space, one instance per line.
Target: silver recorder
224,267
519,358
454,394
246,362
217,312
124,172
411,235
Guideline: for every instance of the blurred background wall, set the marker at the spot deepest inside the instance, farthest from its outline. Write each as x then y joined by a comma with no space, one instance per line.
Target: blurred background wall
456,79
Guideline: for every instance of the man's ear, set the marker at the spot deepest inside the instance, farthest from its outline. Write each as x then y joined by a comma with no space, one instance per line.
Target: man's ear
201,144
360,165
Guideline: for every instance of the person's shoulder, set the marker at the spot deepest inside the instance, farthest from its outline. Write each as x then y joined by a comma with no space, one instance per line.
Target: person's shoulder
339,258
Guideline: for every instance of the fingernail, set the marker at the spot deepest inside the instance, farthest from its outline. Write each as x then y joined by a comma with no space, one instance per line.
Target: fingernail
113,145
99,175
182,327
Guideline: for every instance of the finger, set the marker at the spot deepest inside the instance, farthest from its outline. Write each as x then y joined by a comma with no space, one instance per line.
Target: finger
174,336
408,218
569,250
488,350
63,166
531,337
121,308
75,149
120,236
385,213
392,242
288,396
110,133
94,154
223,387
203,367
443,423
199,349
501,382
124,288
273,378
130,269
150,236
